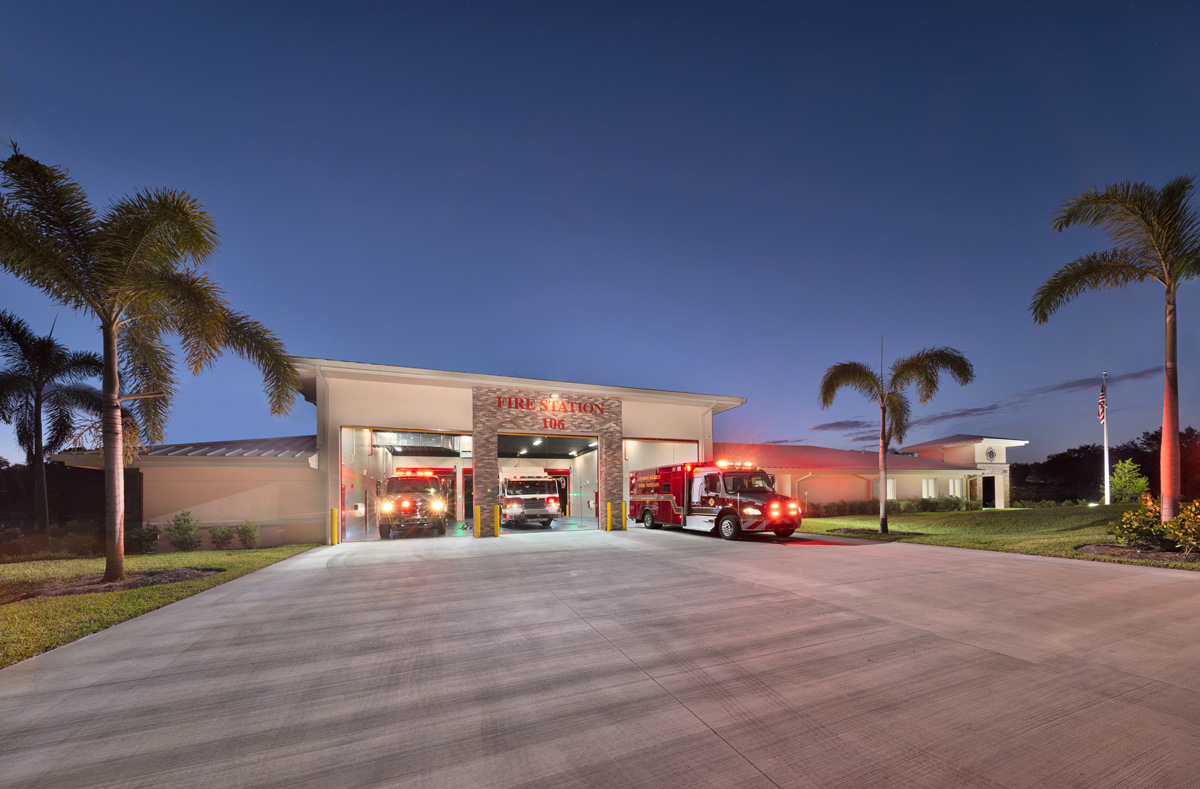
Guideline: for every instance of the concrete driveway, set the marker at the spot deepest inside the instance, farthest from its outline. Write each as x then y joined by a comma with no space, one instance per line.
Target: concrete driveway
643,658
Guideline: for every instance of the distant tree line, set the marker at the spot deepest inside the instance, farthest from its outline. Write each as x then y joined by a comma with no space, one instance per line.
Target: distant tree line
1076,473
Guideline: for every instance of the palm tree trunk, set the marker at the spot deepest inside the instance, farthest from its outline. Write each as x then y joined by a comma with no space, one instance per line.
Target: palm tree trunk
114,466
41,502
1169,456
883,526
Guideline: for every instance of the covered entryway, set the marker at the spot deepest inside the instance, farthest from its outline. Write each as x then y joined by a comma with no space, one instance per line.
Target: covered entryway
989,492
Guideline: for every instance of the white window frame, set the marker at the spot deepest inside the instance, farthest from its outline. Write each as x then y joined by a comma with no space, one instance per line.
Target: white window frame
929,488
956,487
891,489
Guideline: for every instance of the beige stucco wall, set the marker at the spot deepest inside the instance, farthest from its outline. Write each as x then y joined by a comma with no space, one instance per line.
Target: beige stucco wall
658,420
823,490
283,497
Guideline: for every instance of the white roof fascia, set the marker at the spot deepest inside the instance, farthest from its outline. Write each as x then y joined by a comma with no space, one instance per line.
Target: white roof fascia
365,371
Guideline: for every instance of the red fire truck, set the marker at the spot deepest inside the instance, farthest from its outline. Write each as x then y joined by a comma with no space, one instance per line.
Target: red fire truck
722,496
412,500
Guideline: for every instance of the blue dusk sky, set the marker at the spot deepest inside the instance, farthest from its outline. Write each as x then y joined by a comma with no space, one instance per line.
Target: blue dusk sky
706,197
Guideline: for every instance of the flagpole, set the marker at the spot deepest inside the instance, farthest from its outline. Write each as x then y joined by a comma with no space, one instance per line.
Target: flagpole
1104,421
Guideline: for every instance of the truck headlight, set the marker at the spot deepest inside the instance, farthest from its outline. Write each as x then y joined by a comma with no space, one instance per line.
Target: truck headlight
438,505
386,506
751,511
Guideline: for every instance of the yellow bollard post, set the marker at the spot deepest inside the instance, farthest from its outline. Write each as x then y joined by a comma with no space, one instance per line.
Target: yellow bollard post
496,521
477,520
608,514
624,515
333,527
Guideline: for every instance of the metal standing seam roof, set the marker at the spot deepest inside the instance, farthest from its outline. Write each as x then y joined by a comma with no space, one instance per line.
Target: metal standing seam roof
825,459
288,447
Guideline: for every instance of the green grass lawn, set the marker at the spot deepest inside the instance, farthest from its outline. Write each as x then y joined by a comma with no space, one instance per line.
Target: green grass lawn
1040,532
30,627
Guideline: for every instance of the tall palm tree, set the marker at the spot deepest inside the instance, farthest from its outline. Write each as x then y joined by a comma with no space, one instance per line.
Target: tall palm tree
135,269
923,369
40,389
1156,236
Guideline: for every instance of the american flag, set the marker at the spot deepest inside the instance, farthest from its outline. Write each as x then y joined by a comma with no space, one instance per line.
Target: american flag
1103,405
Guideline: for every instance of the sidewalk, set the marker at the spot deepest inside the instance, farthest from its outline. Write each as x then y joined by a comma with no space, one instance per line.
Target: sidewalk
639,658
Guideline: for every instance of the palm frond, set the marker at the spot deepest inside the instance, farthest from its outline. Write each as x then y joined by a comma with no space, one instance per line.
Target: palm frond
925,367
154,231
1097,271
852,375
899,415
46,230
80,365
58,205
257,344
147,365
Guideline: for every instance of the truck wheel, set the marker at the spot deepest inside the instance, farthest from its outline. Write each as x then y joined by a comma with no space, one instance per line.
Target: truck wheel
441,529
784,533
729,527
648,520
385,531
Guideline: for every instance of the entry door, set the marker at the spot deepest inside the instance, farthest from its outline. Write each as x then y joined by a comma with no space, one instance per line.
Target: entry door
989,491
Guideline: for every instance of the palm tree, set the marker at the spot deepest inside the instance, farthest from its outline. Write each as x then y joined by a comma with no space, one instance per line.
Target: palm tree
1156,236
923,369
135,269
41,389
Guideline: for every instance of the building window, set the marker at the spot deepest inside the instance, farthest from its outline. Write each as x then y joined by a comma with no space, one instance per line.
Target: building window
955,488
929,488
891,489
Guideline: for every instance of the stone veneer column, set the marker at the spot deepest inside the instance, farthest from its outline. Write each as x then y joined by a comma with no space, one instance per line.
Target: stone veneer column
496,410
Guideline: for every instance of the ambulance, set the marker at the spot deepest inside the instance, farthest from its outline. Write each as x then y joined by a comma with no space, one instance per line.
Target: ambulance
730,498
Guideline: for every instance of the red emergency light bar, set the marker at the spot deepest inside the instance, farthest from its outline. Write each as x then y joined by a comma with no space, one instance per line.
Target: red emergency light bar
736,464
412,472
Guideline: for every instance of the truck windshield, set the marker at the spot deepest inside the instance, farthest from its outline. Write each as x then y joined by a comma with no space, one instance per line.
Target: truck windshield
531,487
754,480
411,485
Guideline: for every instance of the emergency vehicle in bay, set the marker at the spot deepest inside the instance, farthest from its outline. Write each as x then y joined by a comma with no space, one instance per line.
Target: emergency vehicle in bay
413,499
526,497
723,496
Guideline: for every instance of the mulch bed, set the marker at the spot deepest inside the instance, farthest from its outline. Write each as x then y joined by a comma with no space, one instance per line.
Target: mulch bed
1151,554
90,584
891,533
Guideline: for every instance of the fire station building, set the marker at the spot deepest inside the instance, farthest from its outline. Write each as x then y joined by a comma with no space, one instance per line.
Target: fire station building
374,421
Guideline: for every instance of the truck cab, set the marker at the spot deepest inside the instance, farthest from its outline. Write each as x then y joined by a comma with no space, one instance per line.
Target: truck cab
411,501
529,498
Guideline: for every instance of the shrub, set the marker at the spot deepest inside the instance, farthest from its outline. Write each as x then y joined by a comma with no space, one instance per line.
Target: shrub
184,532
220,536
247,534
1143,526
141,539
1184,530
1126,482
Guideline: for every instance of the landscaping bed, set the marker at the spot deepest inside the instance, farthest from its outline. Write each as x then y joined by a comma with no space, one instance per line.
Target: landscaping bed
1115,551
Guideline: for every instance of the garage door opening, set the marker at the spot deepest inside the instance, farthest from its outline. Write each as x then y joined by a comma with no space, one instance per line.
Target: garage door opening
547,483
404,484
